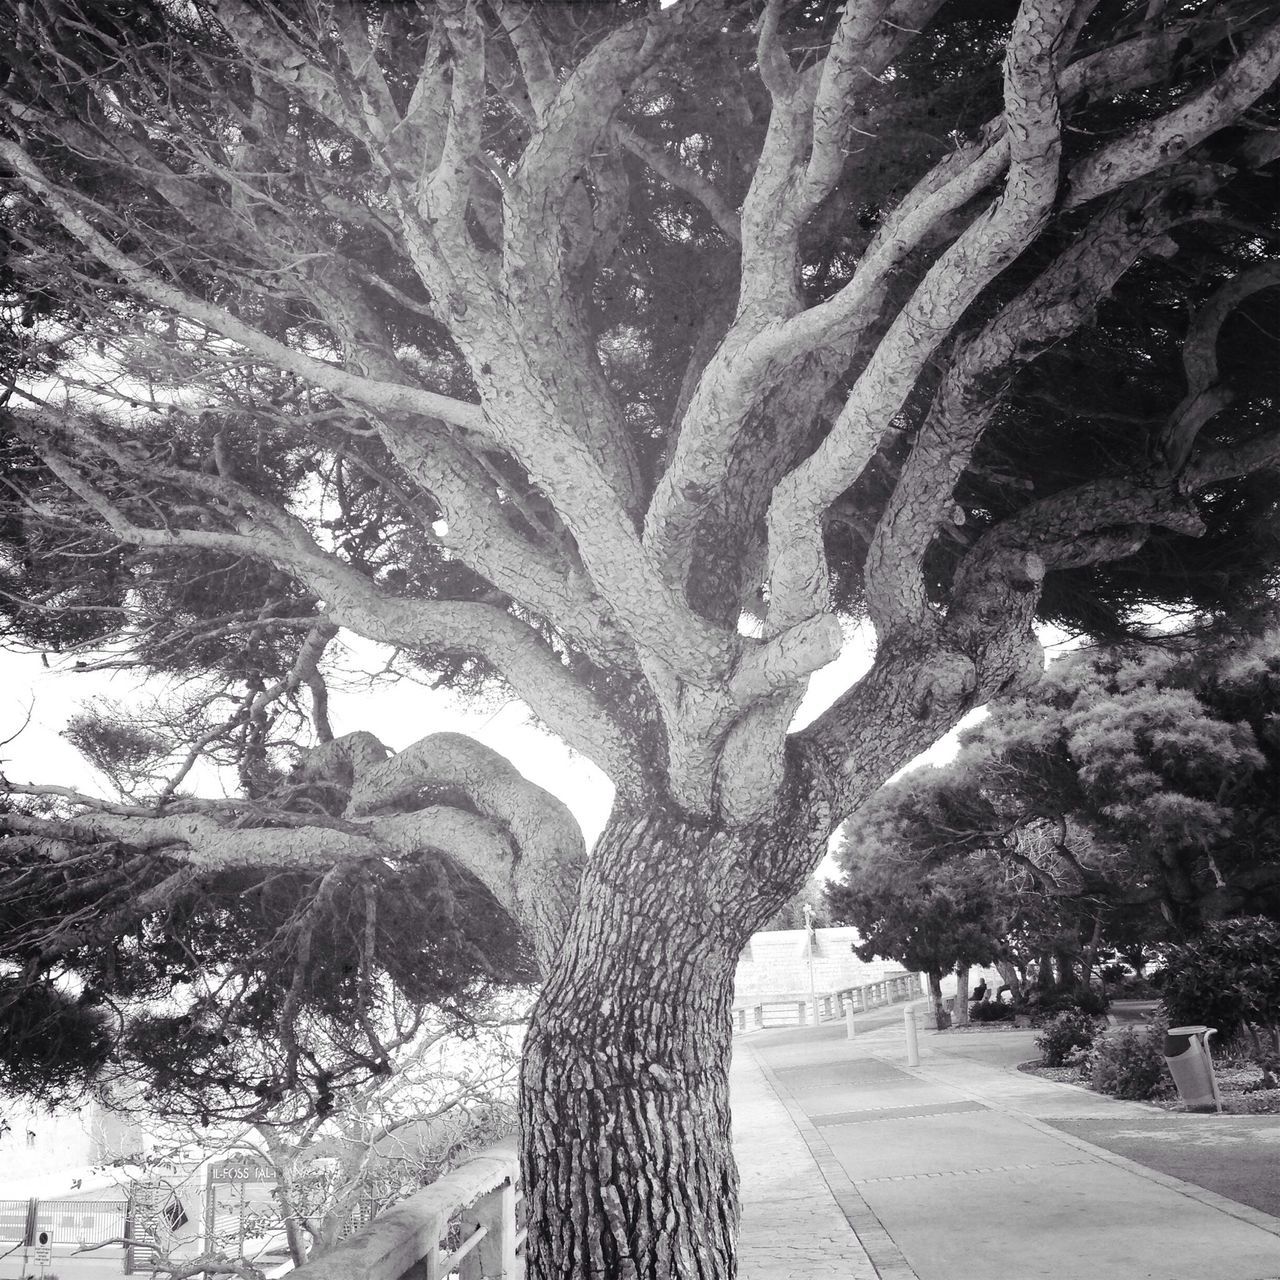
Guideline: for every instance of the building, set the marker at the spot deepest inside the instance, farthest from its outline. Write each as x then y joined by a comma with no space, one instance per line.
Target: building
775,965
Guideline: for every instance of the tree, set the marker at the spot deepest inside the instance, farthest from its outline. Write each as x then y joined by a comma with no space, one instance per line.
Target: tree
616,353
383,1139
1132,792
930,919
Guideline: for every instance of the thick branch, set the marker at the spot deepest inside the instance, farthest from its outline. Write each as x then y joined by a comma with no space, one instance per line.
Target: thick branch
539,884
1205,397
1059,300
1161,142
797,574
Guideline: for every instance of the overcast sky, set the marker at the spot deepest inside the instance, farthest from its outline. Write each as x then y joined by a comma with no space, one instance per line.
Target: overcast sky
398,715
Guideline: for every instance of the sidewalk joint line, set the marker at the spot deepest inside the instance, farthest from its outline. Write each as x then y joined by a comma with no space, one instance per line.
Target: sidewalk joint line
888,1260
968,1173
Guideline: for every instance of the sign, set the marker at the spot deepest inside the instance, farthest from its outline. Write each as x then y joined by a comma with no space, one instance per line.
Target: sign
44,1253
241,1172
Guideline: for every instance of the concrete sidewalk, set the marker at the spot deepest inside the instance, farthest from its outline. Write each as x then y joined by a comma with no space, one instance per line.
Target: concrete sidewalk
957,1170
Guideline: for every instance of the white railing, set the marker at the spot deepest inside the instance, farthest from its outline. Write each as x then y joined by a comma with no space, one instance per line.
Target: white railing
407,1240
794,1010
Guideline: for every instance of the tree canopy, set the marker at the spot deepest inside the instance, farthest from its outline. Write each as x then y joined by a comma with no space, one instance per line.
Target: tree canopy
623,356
1133,791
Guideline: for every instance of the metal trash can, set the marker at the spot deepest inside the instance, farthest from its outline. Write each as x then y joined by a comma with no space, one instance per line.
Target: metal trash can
1186,1051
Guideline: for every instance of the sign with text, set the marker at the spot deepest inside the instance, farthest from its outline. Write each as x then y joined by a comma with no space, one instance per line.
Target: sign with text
241,1171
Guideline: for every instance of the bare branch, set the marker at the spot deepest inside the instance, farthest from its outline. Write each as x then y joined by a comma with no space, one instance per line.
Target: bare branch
1057,302
376,395
1159,143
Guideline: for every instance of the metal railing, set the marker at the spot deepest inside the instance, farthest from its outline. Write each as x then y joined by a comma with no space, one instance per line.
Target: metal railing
62,1222
793,1010
465,1224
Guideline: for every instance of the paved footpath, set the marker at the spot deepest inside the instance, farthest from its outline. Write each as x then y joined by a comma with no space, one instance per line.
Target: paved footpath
961,1169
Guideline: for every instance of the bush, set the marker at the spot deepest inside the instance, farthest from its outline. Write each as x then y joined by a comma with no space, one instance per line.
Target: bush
1068,1030
1227,977
1123,985
990,1011
1130,1064
1082,1000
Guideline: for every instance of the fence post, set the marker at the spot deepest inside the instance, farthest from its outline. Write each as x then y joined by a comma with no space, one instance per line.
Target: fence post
494,1258
800,1011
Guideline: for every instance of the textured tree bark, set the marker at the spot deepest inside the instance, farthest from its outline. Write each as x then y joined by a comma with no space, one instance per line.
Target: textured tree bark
961,1018
1009,976
628,1166
940,1020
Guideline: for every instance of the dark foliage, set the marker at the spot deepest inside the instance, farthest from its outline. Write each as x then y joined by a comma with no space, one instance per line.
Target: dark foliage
1228,978
1066,1033
218,993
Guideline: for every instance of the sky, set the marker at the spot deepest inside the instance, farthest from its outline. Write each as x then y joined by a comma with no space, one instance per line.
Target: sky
398,715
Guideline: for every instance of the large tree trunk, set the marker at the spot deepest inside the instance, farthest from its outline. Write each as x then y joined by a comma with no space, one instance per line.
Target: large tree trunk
624,1088
1064,963
1009,976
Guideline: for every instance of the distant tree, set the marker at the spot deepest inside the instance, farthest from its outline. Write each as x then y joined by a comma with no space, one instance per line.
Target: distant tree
384,1138
1132,795
929,919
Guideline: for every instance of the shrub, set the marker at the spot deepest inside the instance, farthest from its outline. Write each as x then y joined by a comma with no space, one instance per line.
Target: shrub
1068,1030
1043,1007
1130,1064
990,1011
1227,977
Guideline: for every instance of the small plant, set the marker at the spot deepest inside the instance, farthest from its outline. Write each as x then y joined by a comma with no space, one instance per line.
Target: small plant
989,1011
1130,1064
1071,1029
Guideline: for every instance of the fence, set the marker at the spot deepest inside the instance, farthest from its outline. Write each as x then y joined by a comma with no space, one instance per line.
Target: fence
793,1010
466,1224
62,1222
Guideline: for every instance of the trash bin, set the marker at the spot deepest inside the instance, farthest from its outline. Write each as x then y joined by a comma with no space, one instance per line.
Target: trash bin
1186,1051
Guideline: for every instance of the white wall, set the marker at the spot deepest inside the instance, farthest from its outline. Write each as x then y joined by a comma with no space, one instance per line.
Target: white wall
776,964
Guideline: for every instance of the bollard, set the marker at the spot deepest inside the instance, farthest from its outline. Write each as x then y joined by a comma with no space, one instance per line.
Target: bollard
848,1020
913,1045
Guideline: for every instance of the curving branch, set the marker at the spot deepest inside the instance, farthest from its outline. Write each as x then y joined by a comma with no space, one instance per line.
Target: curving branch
1205,395
539,883
1059,300
1159,143
797,569
263,531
